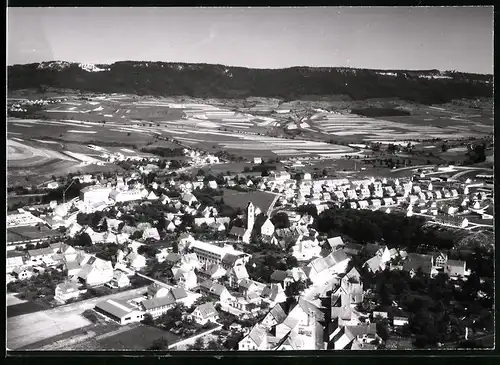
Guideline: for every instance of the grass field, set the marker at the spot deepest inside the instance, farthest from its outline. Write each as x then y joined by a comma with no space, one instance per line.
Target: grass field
138,338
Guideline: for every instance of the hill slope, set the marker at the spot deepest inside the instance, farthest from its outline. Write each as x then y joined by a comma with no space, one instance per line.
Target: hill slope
218,81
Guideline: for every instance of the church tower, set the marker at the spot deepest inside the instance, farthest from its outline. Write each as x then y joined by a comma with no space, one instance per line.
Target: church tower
250,216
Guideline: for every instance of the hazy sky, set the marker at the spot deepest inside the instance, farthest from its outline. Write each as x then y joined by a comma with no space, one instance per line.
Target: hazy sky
442,38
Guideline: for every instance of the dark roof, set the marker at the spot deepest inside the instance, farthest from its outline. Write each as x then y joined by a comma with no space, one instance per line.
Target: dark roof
237,231
278,313
178,293
246,283
158,302
259,221
425,266
207,284
229,259
260,199
173,257
371,248
278,275
14,254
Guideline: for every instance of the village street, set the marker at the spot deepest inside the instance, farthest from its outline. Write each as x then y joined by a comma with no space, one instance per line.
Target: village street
27,329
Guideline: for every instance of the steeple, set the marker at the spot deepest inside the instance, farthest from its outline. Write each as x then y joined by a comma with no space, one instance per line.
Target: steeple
250,216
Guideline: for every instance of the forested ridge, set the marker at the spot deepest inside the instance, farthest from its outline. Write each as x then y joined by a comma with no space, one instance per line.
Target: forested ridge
218,81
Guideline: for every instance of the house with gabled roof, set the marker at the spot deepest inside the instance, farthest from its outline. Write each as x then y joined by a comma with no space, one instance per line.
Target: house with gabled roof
158,306
22,272
119,280
151,233
291,341
185,278
135,260
157,291
66,291
416,262
205,313
456,269
255,340
95,271
211,271
273,294
275,316
236,274
348,334
335,242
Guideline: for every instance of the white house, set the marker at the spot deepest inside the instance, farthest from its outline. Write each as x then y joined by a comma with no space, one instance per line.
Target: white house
151,233
255,340
120,280
136,261
66,291
205,313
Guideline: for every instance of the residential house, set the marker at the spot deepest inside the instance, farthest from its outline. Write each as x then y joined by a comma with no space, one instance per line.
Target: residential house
416,262
72,267
205,313
119,280
157,291
236,274
14,259
135,260
400,321
66,291
211,271
348,334
264,226
151,233
273,294
22,273
95,271
189,199
38,256
335,242
274,317
322,268
221,292
184,278
184,240
456,269
256,339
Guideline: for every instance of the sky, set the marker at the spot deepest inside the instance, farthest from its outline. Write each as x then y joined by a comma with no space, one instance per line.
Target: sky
444,38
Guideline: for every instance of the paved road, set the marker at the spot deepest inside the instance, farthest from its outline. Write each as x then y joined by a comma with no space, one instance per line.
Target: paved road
30,328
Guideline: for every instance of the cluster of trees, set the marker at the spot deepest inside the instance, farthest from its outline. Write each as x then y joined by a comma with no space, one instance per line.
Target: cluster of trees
297,287
266,259
164,152
211,81
476,154
380,112
39,285
281,220
438,311
396,230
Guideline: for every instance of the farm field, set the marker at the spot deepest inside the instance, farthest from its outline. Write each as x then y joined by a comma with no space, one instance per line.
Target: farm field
241,127
396,129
